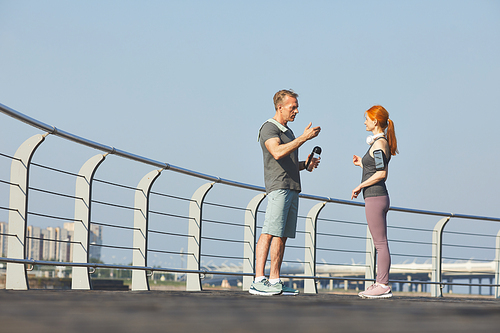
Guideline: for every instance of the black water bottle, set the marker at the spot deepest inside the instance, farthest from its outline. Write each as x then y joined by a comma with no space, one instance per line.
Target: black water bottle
315,154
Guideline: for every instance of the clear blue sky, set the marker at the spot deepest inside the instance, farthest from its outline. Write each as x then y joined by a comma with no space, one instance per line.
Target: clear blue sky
190,83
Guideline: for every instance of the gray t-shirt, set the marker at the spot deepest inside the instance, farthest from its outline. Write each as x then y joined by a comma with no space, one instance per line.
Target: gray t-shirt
378,189
282,173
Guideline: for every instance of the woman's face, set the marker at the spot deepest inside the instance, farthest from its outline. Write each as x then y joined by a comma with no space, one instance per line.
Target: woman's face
369,123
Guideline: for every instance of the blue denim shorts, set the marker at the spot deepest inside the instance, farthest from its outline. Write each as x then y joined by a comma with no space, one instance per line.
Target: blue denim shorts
281,213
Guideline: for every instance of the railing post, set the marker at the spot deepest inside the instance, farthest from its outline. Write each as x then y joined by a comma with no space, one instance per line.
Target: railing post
141,214
370,259
437,257
19,174
193,282
310,248
83,193
249,239
497,266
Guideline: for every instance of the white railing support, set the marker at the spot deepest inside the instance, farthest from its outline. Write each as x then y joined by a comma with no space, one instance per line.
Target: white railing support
497,266
310,248
249,238
83,198
437,256
19,174
141,218
193,282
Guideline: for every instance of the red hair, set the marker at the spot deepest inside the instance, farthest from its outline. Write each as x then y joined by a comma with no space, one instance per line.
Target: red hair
381,115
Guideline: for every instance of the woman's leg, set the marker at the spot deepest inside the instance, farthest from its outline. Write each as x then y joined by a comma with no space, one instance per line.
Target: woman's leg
376,209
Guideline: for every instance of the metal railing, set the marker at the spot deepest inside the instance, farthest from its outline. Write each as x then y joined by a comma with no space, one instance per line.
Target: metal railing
246,228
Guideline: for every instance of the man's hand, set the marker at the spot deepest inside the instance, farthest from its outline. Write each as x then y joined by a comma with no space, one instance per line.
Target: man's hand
314,163
310,133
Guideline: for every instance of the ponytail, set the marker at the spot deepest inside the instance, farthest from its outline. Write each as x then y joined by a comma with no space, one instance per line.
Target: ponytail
391,137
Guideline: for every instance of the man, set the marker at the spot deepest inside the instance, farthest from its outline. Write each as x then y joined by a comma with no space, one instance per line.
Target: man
282,181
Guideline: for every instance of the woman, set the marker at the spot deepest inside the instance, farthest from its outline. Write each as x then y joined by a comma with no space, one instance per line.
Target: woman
375,163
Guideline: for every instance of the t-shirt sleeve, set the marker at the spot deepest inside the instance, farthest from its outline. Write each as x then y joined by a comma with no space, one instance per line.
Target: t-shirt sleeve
269,131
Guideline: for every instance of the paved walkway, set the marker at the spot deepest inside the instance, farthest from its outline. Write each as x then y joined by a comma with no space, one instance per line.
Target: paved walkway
237,311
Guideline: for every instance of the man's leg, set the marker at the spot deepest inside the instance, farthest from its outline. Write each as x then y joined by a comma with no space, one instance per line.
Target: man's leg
261,252
277,253
261,286
278,243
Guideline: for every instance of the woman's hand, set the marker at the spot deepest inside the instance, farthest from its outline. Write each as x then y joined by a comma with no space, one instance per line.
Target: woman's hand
355,192
357,161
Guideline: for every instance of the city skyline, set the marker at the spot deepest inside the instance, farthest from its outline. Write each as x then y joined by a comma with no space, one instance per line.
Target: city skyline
53,243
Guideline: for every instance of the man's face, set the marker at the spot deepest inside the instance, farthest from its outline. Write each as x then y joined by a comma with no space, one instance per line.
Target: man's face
289,108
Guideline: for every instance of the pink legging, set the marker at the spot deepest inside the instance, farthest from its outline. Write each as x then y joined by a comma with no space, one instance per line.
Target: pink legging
376,215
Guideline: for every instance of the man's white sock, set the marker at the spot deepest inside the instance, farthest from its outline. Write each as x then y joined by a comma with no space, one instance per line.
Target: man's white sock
274,281
259,278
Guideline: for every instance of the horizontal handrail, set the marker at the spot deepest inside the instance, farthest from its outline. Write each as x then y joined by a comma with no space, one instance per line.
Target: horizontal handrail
112,150
209,272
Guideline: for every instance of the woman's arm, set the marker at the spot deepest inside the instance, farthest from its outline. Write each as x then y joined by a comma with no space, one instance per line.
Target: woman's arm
374,179
377,176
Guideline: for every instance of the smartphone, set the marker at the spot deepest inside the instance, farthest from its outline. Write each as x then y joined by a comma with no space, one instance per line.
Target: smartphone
379,157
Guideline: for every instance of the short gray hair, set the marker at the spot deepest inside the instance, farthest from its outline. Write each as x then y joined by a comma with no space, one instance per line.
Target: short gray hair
280,96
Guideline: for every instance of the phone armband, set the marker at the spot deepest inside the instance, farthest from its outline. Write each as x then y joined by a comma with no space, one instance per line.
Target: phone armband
380,160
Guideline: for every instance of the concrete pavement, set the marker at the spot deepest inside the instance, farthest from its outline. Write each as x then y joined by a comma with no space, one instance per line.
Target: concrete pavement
238,311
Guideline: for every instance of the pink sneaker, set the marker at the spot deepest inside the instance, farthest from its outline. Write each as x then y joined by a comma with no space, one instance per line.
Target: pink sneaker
376,291
369,288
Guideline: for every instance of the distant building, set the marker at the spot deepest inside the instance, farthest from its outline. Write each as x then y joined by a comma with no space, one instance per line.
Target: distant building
34,243
95,238
49,247
53,244
65,249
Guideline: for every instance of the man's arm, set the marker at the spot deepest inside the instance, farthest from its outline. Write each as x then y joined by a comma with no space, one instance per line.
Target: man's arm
279,150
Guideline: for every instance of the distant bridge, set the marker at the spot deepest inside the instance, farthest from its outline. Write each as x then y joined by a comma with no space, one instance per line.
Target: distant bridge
403,277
